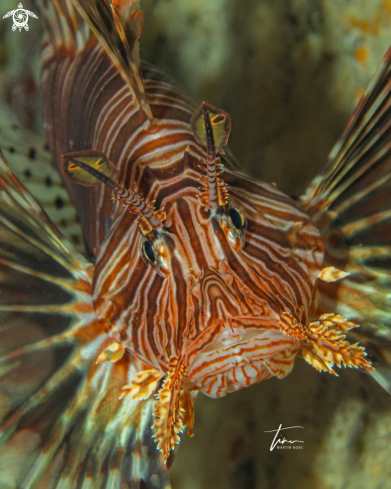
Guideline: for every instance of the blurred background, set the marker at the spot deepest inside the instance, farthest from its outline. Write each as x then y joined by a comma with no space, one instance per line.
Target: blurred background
290,73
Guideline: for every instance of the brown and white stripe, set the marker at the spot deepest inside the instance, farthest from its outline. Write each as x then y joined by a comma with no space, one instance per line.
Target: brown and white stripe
212,294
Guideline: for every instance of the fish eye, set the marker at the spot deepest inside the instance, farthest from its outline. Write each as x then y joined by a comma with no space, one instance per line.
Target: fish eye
155,254
237,218
149,252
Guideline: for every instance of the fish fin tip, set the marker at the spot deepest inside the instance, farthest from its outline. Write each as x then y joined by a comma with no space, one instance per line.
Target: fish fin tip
349,201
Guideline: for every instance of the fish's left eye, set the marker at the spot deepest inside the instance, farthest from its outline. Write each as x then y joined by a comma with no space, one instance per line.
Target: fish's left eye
237,218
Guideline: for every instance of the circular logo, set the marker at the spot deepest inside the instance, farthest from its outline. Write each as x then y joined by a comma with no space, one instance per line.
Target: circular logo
20,18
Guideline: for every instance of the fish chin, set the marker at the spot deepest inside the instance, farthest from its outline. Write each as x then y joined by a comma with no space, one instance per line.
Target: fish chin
236,356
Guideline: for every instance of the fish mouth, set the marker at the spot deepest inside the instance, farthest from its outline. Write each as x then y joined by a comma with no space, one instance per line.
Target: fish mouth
238,353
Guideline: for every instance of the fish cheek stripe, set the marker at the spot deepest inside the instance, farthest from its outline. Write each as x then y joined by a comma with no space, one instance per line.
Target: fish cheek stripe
230,314
322,342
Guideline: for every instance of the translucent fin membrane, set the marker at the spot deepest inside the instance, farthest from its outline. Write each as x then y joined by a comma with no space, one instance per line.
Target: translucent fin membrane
61,422
118,26
350,202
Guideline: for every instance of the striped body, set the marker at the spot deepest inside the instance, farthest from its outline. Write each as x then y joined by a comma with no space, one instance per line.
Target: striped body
198,280
216,307
88,105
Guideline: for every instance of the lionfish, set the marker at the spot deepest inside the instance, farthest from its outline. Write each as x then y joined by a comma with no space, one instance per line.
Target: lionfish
197,277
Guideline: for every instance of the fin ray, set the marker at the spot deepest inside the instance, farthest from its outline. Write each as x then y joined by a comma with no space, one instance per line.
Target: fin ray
350,203
55,399
117,25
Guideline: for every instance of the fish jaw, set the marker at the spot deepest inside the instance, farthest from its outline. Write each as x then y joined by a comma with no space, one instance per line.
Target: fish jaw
239,353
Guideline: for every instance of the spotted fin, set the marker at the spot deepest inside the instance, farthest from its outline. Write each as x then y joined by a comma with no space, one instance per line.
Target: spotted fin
31,160
61,422
350,202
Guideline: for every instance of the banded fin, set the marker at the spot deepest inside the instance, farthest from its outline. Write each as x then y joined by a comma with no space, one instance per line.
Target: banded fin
221,192
31,160
117,25
350,203
211,128
62,425
63,25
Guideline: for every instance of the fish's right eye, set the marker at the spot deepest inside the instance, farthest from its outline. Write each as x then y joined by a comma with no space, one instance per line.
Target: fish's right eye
155,255
237,218
234,225
149,252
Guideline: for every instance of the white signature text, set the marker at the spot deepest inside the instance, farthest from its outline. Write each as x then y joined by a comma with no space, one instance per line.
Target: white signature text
280,442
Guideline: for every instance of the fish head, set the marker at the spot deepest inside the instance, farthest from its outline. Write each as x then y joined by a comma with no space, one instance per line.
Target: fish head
211,288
